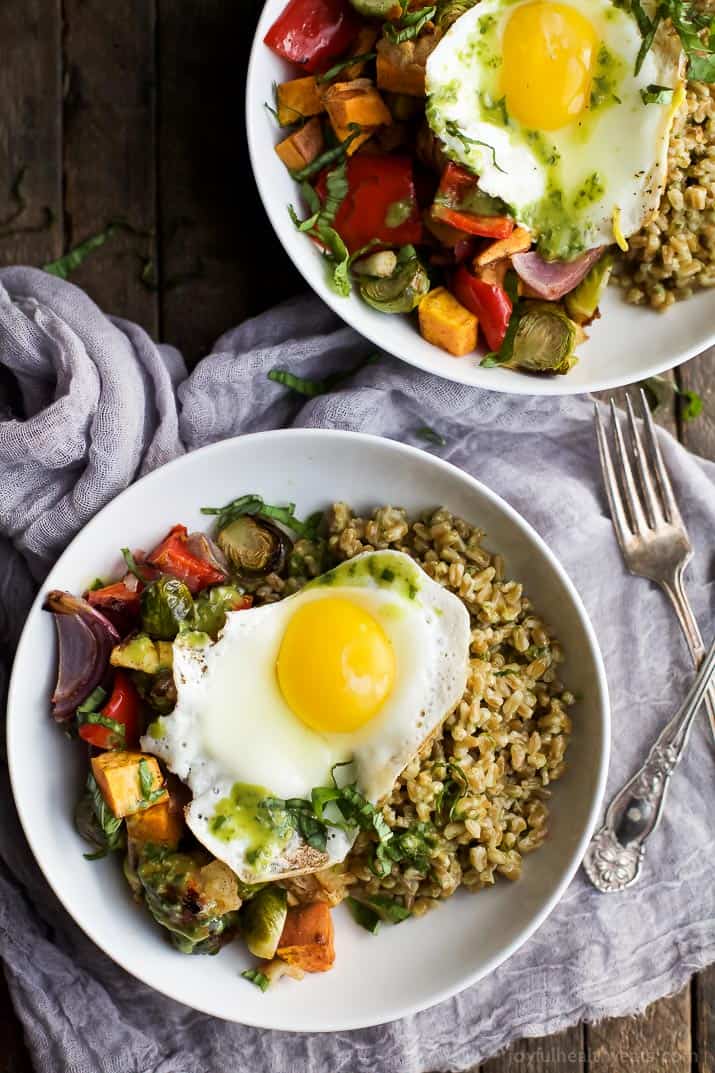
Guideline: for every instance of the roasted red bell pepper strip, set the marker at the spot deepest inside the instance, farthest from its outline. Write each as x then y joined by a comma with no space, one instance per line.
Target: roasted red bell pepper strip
121,714
172,556
489,302
381,191
117,597
485,226
313,32
460,203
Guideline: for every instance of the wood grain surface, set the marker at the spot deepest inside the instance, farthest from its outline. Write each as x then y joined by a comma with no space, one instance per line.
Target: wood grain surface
132,113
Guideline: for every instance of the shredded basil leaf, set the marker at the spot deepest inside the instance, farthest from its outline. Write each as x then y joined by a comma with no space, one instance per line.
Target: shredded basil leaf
364,916
254,504
257,978
63,266
431,436
330,156
329,75
94,701
455,787
658,391
146,783
110,825
409,25
118,729
453,130
312,388
656,94
385,908
132,565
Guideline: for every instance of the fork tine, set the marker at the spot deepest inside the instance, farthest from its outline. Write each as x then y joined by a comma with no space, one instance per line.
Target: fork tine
652,503
633,503
613,492
666,489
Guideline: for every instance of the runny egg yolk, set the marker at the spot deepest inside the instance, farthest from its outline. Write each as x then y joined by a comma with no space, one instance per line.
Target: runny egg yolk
548,54
336,665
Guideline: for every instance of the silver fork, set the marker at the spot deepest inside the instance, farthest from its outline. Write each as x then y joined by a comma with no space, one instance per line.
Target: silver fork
655,544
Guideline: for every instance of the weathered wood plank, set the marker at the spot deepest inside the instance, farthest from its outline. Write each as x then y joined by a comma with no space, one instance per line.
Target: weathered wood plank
109,149
665,414
30,131
658,1040
704,1020
564,1052
699,375
220,260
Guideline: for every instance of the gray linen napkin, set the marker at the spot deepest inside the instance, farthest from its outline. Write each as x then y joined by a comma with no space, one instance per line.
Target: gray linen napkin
94,404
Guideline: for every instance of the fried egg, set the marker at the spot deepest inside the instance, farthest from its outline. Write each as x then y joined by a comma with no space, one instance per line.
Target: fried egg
360,667
540,98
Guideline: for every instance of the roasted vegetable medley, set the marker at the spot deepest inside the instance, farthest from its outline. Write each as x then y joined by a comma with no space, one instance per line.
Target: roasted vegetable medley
420,134
116,686
357,699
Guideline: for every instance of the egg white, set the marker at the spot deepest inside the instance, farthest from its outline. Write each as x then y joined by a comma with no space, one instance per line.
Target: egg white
232,724
623,143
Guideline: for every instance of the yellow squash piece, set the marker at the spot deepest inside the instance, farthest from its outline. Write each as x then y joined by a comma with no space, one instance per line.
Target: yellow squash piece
447,324
118,776
298,99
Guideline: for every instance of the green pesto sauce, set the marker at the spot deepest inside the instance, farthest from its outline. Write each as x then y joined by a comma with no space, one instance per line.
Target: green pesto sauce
398,212
157,729
551,219
244,815
378,567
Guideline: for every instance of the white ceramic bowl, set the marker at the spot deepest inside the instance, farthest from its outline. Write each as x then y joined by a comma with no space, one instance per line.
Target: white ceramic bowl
376,978
627,344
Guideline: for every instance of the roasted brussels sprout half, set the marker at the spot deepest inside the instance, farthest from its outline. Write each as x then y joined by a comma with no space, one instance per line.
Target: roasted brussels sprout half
254,546
177,898
165,604
374,9
544,340
582,302
211,606
262,921
448,11
401,292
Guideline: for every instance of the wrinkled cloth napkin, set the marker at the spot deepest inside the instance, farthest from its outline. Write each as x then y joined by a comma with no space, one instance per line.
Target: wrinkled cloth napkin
87,404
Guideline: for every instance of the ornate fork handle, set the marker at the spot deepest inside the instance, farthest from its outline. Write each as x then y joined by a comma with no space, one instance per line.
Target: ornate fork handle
614,856
675,589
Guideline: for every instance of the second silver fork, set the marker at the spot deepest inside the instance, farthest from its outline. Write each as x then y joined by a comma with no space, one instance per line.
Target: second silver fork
648,525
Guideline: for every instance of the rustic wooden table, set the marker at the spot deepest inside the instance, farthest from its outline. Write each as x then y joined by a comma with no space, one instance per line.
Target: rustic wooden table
133,111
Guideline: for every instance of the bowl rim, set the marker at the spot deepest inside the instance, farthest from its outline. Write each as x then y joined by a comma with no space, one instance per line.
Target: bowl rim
602,712
514,384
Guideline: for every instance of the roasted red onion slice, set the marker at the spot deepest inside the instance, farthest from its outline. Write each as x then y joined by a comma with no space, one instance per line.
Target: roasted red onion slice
86,638
551,280
204,548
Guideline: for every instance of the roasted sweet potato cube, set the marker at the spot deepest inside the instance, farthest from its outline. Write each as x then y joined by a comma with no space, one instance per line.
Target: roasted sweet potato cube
363,43
341,133
158,825
446,323
401,68
308,938
298,99
119,777
303,146
355,102
518,241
